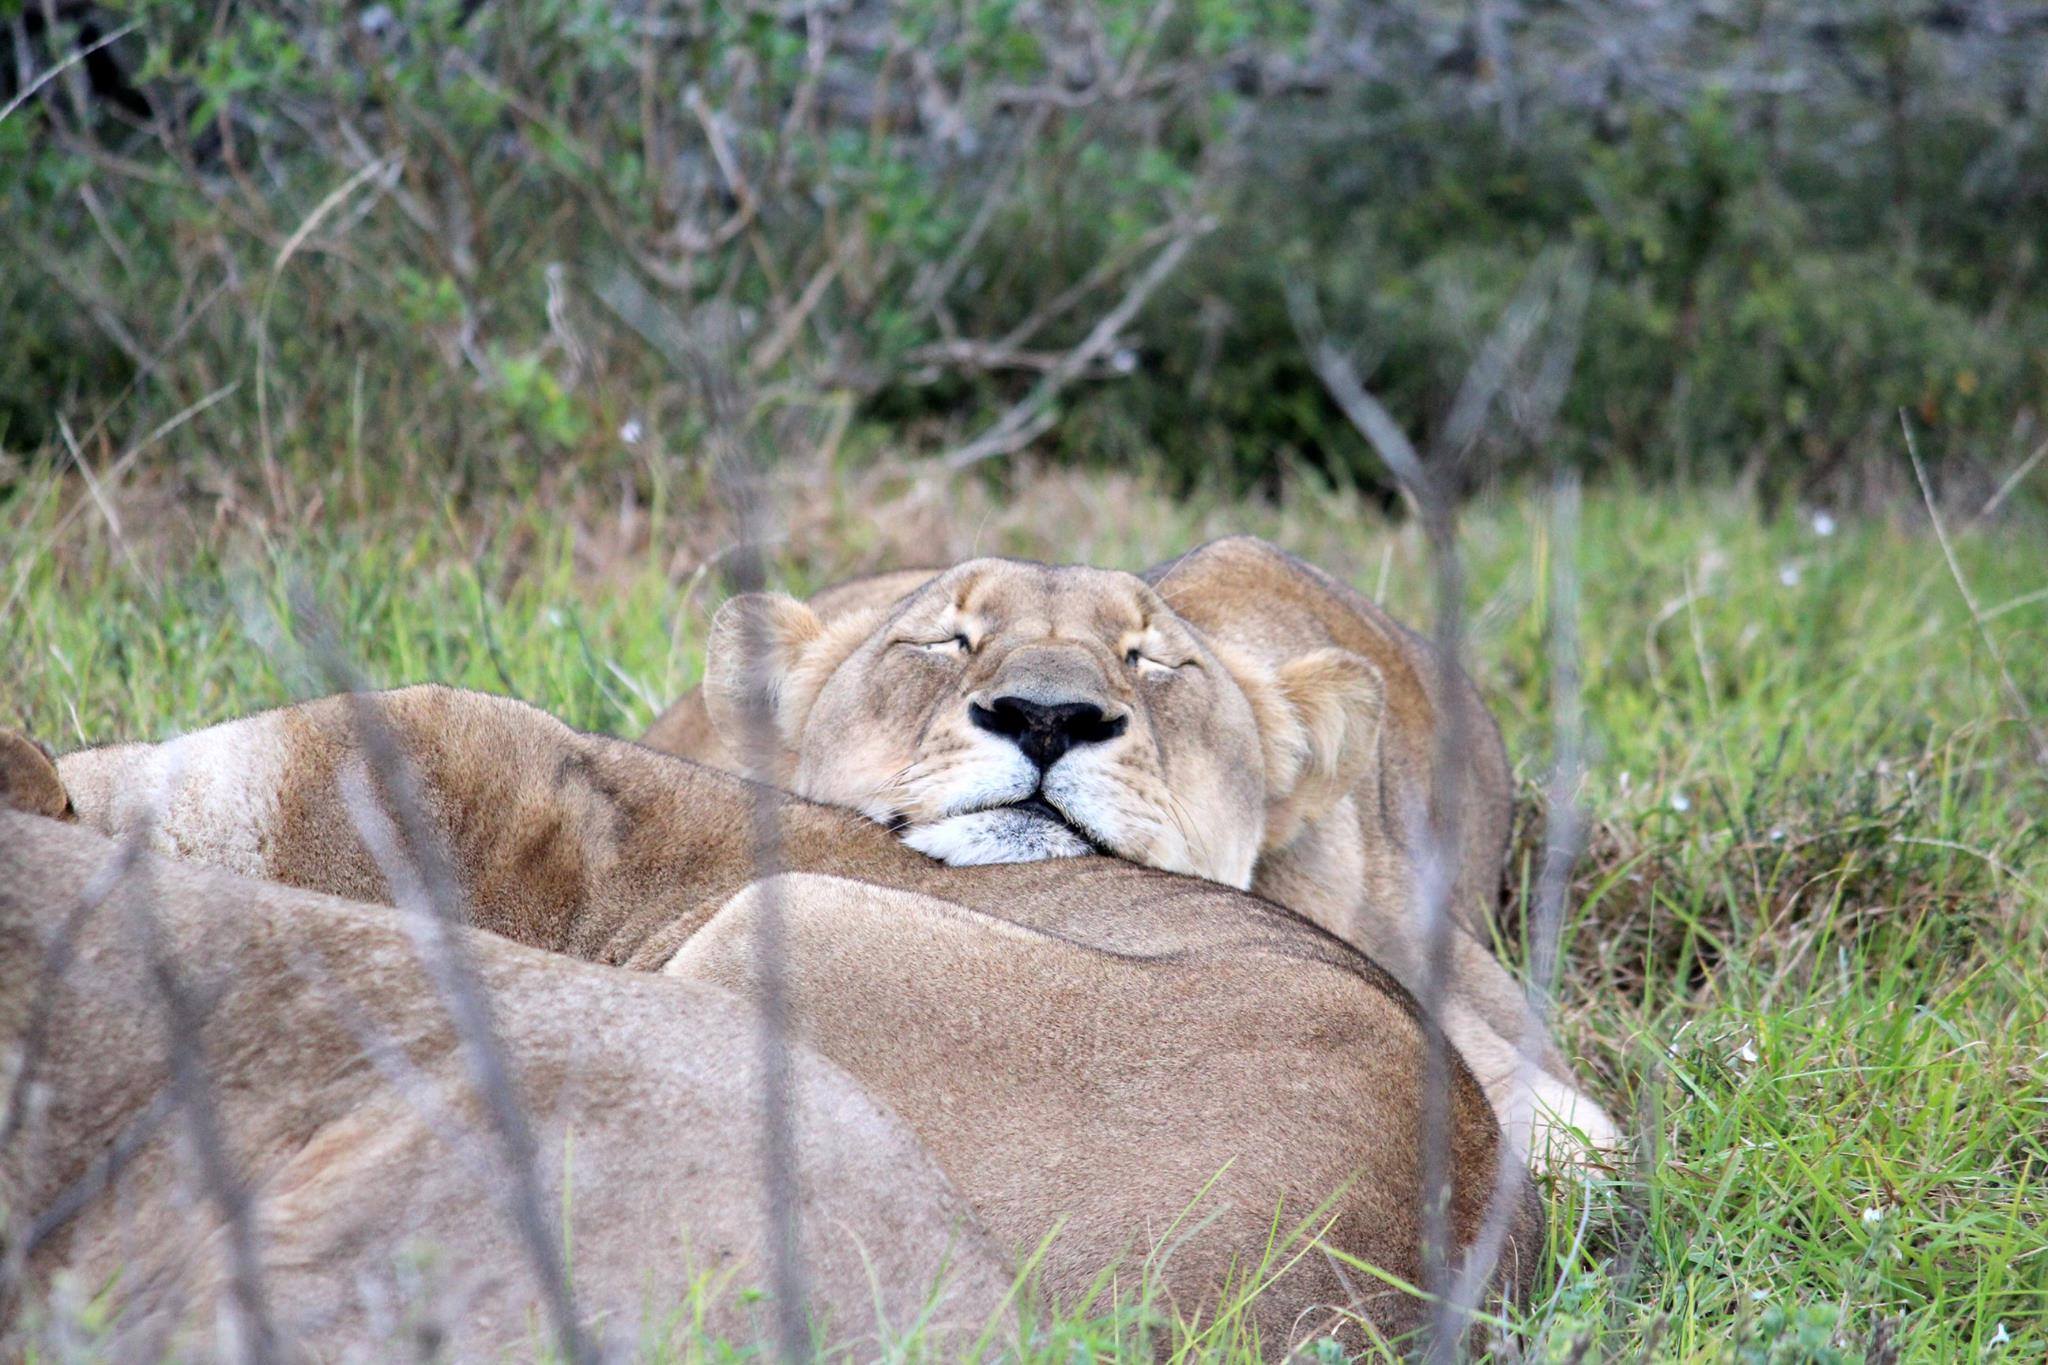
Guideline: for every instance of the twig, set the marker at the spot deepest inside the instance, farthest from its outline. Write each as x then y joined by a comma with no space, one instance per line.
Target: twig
1427,489
706,355
929,291
192,1088
1029,417
729,167
307,226
1563,837
18,1123
2012,481
776,344
739,483
2021,711
1365,412
28,91
1436,829
107,512
1442,827
128,874
422,880
1108,268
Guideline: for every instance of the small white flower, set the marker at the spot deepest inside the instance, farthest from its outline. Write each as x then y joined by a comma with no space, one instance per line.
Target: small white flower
1777,834
1680,802
1999,1337
1759,1295
1124,360
632,431
1789,575
1872,1217
1823,525
1749,1056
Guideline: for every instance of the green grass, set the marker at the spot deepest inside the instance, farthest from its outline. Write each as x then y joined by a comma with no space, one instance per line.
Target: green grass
1806,949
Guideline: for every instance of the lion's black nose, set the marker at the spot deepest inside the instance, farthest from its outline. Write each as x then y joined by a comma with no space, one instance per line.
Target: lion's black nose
1045,731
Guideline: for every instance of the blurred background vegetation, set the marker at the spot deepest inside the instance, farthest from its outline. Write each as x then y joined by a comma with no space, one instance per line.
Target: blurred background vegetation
293,250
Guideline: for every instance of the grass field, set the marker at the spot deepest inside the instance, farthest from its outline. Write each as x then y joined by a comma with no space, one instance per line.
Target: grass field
1805,948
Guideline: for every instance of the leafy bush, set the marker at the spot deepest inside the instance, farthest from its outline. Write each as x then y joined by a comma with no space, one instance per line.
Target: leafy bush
479,239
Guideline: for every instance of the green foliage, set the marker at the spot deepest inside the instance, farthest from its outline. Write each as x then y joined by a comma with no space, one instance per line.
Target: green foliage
1748,309
1771,277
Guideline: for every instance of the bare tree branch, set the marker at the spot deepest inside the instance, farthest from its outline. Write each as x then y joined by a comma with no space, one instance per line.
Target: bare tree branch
1029,417
1555,289
1563,836
2021,710
423,882
707,354
254,1334
20,1122
1435,832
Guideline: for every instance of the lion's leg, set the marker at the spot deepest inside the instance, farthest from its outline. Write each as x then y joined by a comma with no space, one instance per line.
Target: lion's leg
1488,1019
1541,1108
552,837
1541,1105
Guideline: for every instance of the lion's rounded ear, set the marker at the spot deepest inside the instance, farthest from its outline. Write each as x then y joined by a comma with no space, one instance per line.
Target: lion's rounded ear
29,780
1331,703
757,640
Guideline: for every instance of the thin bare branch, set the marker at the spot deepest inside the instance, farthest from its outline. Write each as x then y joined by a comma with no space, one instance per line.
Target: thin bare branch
388,169
2012,481
1434,832
1563,837
1553,294
933,282
28,91
1365,412
1030,416
2021,711
21,1121
253,1333
707,354
415,863
741,486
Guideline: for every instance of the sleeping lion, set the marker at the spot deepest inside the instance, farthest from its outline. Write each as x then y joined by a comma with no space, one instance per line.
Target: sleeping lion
377,1181
1137,1069
1235,714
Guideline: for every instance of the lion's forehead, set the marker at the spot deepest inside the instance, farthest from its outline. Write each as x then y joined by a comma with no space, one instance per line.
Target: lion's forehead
1017,600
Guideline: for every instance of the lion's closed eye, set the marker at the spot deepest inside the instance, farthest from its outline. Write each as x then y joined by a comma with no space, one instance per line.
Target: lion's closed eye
952,645
1154,665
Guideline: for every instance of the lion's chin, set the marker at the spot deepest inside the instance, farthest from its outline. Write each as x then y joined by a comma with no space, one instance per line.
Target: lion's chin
995,836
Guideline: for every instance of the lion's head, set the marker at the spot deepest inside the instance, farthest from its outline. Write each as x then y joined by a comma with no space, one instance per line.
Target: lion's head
1007,711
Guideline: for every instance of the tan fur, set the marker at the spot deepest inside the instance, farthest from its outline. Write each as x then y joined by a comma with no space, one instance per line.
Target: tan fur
1084,1045
1252,597
1305,770
685,729
645,1096
28,778
873,710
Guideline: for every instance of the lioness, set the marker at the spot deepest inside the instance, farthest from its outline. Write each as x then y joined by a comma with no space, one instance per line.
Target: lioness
1088,1046
343,1094
1236,714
